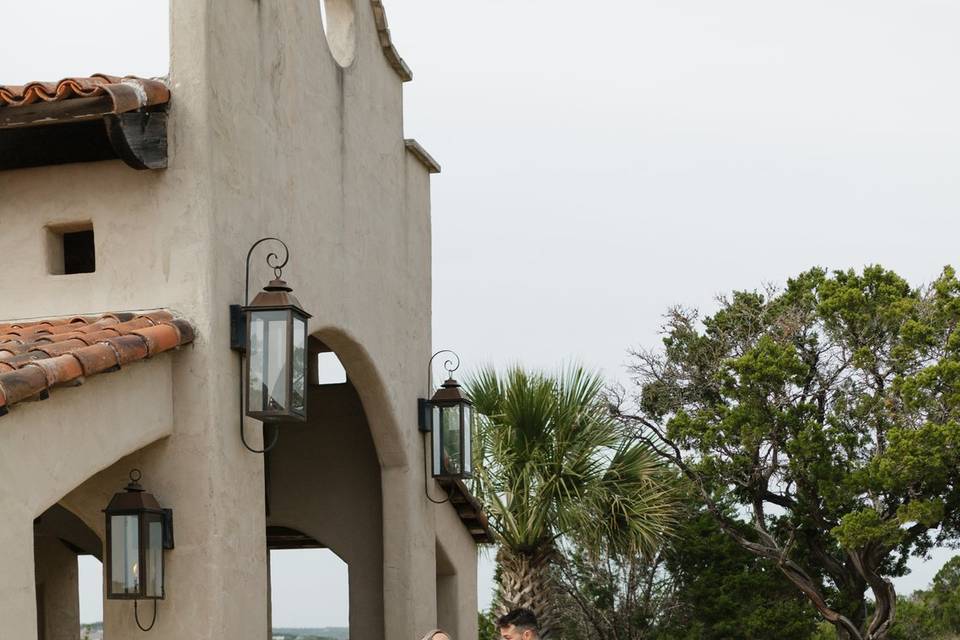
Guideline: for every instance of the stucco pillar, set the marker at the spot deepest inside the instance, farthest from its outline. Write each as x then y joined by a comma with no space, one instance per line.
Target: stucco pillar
59,595
408,557
466,602
456,575
447,607
18,604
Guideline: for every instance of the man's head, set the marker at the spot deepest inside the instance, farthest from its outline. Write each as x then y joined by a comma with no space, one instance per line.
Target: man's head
519,624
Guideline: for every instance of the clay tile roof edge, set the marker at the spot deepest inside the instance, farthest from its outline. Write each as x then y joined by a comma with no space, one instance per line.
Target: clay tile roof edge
127,93
39,368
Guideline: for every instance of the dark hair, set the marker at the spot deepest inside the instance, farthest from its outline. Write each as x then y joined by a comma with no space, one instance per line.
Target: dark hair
522,619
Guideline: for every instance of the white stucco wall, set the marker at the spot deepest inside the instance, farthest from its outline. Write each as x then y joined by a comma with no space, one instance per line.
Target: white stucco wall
268,136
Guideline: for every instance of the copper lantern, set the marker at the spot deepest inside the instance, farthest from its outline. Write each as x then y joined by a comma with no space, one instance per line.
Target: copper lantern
451,424
276,340
138,530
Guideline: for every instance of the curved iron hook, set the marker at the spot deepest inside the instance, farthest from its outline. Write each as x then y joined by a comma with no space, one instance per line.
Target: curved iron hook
450,367
271,262
447,364
136,616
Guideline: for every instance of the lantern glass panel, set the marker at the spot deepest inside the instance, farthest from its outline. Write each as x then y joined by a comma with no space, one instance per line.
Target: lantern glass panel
467,439
435,428
268,366
450,424
125,555
154,555
299,365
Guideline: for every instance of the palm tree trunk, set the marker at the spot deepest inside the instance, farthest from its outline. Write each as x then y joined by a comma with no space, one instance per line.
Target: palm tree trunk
526,580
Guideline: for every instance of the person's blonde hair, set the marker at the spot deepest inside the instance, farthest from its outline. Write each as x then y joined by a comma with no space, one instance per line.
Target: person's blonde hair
430,634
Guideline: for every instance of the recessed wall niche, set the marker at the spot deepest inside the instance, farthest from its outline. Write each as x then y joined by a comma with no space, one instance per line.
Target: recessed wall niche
339,20
71,248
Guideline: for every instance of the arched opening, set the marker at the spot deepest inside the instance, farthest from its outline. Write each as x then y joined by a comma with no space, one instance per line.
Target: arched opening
339,18
59,539
324,495
90,578
309,588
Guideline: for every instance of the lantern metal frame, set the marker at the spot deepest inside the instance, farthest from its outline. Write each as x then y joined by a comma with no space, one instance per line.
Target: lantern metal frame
134,501
448,396
276,296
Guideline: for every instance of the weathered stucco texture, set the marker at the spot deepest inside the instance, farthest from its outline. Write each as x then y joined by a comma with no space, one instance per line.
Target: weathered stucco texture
268,136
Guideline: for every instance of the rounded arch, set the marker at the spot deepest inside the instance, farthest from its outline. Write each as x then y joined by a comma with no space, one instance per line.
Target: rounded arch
362,372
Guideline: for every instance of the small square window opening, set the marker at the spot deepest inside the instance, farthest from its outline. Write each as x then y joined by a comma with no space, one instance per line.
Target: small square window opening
71,249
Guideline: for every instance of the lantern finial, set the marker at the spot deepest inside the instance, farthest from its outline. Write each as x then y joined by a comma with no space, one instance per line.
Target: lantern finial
134,485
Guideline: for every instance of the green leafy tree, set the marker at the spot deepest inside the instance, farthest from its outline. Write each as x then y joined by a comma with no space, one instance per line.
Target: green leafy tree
619,596
723,592
552,462
486,625
701,585
827,414
932,614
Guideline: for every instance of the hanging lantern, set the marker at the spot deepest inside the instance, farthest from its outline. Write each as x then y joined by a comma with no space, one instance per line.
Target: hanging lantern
138,530
276,339
451,423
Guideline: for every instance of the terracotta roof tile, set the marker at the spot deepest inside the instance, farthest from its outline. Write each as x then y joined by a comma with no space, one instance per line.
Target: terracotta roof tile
469,510
40,354
128,93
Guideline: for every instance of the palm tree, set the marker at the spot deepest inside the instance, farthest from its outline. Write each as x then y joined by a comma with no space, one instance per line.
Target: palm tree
552,464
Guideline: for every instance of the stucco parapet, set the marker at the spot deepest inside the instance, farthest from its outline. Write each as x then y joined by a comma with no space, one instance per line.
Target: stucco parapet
386,42
422,155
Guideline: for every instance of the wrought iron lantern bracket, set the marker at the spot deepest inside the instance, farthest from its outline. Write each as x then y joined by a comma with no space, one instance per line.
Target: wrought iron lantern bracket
238,336
270,333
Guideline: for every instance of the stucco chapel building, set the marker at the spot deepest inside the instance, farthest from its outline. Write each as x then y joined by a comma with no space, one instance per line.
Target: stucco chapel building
127,210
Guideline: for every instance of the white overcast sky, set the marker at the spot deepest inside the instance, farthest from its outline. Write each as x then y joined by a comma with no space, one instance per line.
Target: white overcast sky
605,160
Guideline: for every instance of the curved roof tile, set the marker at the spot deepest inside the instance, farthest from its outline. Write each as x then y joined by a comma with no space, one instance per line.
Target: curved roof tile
128,93
40,354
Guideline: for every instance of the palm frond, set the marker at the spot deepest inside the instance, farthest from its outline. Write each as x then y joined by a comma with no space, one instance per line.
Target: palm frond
551,461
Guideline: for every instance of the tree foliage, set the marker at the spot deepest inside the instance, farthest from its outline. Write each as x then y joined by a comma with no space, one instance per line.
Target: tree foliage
722,591
826,414
932,614
701,585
